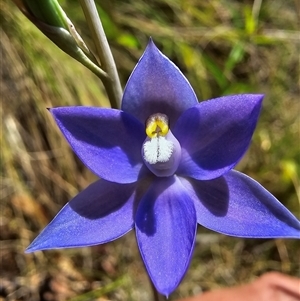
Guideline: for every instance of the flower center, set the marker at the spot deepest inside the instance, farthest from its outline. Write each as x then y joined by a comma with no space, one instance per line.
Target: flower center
161,150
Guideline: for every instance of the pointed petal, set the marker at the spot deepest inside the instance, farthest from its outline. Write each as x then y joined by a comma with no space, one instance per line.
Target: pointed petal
165,228
107,141
237,205
100,213
156,85
215,134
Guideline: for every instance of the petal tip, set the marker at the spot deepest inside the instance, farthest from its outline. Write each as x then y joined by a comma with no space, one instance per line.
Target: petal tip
151,47
150,41
260,97
256,99
31,248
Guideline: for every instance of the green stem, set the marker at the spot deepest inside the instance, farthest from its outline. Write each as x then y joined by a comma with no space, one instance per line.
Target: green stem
112,84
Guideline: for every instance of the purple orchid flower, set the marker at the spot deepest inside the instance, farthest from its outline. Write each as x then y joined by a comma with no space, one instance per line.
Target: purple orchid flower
165,163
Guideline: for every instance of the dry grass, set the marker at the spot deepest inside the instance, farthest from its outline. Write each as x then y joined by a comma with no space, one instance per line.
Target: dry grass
223,47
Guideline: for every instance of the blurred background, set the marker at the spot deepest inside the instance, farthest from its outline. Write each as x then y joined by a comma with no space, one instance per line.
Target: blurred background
223,47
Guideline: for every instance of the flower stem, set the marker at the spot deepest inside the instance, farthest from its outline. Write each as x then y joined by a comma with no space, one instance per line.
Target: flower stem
112,84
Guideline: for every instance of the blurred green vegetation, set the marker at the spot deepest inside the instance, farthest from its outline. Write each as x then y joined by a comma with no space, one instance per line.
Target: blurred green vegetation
223,47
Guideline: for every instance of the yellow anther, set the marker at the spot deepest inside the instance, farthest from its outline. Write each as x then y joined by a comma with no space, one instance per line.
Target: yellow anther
157,125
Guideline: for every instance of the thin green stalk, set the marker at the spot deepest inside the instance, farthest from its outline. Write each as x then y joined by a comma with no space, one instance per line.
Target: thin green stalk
53,22
112,84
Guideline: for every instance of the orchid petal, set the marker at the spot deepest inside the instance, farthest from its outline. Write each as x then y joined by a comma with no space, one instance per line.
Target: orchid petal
99,214
165,228
156,85
215,134
237,205
107,141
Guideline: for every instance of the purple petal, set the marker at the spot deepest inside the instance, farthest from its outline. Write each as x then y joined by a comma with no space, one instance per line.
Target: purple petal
100,213
156,85
215,134
165,228
107,141
237,205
